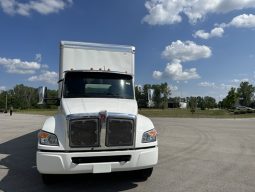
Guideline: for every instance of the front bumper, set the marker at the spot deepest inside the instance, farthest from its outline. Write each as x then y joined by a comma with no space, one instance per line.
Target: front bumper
61,162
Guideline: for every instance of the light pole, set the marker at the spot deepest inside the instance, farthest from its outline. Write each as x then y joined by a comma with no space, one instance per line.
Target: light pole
6,103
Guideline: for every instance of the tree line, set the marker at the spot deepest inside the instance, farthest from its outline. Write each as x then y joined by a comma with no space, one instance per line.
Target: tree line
161,95
243,95
240,96
162,98
22,97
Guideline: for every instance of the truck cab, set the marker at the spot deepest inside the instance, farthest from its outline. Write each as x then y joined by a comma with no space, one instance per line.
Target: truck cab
97,128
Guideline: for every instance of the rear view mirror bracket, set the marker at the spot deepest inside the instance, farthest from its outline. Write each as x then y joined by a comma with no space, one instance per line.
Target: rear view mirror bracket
43,98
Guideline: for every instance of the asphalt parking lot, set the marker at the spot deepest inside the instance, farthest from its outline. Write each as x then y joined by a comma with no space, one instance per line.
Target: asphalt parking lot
195,155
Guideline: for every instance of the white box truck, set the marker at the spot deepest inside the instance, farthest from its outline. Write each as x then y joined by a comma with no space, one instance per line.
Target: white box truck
97,128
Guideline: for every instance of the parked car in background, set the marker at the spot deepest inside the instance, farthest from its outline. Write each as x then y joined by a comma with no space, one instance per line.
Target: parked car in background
243,109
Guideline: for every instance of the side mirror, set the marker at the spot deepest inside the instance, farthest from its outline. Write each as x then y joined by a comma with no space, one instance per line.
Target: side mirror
42,93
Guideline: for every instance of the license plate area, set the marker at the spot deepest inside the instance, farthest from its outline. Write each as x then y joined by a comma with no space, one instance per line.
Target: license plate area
102,168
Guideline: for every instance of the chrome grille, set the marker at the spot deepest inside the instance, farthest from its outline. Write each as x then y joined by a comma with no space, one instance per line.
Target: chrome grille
119,132
84,133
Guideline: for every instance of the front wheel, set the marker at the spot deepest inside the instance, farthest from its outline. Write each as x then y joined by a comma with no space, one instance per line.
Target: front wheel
47,179
144,174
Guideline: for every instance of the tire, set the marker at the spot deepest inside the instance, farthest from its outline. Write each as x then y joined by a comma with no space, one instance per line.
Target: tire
144,174
47,179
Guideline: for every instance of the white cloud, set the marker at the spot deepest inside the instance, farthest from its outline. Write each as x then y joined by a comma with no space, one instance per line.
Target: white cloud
173,87
2,88
207,84
44,7
157,75
202,34
242,21
239,80
235,81
244,80
166,12
50,77
226,86
163,12
178,52
222,86
186,51
19,67
175,71
216,32
44,66
38,57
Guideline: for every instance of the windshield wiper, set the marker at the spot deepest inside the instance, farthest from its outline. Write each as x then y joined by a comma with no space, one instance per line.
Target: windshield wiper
115,95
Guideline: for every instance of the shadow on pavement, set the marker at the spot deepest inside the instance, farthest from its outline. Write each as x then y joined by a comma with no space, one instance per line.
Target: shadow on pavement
23,176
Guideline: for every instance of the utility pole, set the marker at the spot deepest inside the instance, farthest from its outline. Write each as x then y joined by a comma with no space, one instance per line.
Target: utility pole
6,102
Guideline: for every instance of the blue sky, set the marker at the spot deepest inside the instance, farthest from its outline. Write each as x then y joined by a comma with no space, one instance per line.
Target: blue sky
200,47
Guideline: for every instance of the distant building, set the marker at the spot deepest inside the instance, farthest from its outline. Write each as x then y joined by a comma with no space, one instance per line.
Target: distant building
177,102
183,105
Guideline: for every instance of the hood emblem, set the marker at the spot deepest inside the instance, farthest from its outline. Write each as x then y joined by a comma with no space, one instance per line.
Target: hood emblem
102,116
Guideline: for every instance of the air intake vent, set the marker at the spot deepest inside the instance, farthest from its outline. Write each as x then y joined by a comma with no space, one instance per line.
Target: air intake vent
119,132
84,133
101,159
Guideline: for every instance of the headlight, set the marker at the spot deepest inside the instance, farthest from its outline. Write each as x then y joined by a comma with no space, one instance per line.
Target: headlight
46,138
149,136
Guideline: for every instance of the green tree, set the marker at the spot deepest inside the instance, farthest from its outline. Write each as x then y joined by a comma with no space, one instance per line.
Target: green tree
165,94
2,99
157,96
161,95
146,87
201,103
245,93
230,100
193,104
23,97
140,97
210,102
160,98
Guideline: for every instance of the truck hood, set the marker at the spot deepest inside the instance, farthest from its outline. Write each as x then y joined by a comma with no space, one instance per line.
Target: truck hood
95,105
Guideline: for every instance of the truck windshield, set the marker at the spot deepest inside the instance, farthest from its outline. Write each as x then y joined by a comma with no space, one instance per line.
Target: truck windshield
98,84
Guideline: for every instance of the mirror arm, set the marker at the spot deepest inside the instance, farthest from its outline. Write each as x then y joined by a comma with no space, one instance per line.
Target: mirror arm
52,99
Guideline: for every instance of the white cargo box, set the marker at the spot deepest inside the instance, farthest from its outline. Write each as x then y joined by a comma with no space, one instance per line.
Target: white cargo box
93,56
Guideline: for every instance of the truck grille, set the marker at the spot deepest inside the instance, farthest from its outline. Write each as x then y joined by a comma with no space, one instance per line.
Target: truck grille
84,133
119,132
